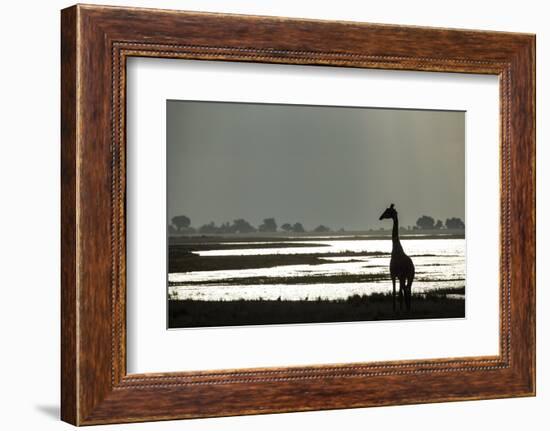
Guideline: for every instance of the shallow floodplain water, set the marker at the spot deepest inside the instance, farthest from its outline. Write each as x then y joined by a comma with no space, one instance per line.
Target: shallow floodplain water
440,264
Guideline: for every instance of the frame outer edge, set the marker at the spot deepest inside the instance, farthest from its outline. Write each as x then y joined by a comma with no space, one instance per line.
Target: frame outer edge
69,196
533,53
532,61
523,216
88,397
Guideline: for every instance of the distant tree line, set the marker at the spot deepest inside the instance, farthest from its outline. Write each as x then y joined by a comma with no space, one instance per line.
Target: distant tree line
182,224
427,222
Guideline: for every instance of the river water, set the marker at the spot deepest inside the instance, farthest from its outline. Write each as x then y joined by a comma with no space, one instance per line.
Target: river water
440,263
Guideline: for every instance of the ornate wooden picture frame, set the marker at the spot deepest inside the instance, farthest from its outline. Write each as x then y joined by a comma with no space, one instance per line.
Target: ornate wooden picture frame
96,41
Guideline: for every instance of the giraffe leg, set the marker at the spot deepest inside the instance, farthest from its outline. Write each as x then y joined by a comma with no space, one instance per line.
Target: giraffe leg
409,293
401,289
393,296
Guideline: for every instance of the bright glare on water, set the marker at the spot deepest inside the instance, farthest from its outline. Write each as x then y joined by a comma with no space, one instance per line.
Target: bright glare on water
440,263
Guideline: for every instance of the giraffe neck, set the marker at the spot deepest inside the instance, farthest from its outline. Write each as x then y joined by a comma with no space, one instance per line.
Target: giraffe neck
396,244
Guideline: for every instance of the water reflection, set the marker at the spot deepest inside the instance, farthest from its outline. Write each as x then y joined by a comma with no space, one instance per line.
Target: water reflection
440,263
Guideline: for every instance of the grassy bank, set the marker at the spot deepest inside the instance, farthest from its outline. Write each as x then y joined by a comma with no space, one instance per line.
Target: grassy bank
300,279
189,313
181,260
197,238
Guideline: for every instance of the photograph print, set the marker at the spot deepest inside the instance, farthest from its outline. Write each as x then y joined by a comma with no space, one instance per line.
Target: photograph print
287,214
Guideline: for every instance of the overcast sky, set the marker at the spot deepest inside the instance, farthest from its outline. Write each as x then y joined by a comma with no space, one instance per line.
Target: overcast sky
336,166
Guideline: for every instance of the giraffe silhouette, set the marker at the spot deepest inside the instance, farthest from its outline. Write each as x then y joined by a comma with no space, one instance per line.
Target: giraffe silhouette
401,265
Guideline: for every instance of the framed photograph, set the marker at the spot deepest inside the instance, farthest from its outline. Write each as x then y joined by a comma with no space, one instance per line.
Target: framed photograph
263,214
327,172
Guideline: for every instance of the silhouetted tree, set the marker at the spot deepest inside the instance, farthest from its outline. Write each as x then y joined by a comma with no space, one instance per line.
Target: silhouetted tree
425,222
209,228
298,228
181,222
454,223
242,226
321,229
287,227
438,225
268,225
172,229
225,228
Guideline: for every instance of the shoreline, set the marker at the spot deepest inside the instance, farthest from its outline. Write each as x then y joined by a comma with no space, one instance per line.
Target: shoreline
184,260
175,239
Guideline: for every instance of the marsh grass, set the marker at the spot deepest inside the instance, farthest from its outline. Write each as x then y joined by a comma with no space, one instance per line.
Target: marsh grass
378,306
182,260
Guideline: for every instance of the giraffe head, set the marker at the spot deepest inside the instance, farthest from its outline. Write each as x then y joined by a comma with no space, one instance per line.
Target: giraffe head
390,212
